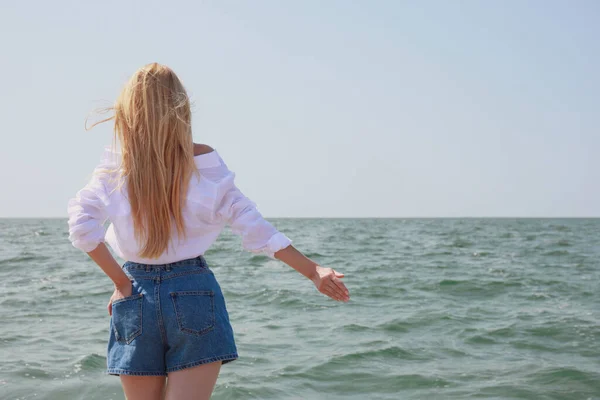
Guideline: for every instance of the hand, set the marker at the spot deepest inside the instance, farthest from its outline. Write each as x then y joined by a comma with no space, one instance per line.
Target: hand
119,293
328,282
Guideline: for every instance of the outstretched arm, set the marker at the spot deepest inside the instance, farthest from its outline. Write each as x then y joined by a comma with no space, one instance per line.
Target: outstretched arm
326,280
259,236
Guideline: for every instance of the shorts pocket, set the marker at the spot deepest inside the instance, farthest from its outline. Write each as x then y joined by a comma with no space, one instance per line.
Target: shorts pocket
195,311
127,318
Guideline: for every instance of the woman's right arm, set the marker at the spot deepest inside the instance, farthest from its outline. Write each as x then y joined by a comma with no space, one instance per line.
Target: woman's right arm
326,280
259,236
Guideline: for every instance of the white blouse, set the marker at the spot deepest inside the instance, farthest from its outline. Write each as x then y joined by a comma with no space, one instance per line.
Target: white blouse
213,201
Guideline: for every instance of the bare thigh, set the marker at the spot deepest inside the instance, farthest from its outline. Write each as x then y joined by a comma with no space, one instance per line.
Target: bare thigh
196,383
143,387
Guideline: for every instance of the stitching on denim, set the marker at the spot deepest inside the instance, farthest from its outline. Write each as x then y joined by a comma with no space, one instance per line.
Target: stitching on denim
178,274
193,293
161,326
141,278
169,275
138,332
114,328
139,373
132,297
182,328
231,356
200,260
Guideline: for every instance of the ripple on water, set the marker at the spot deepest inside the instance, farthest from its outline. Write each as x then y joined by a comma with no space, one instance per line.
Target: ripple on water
472,287
392,353
398,325
461,243
24,257
31,372
91,362
357,328
567,377
557,253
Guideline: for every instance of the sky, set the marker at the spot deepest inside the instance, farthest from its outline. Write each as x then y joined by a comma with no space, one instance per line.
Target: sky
322,108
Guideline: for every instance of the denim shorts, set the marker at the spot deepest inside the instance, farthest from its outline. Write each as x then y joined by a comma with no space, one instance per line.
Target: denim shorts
176,318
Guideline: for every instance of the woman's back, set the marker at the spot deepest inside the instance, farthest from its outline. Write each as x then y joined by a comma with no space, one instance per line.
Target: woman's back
212,201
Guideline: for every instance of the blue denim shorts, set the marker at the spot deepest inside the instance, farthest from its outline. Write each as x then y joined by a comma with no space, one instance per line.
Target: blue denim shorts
176,318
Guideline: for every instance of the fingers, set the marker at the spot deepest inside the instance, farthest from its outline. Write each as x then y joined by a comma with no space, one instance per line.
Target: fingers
340,286
333,294
339,293
331,285
336,291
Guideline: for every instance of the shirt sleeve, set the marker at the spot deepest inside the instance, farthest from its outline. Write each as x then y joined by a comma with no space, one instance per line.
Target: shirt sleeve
87,214
241,213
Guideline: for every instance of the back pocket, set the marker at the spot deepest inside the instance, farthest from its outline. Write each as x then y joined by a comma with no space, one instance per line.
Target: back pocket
127,318
195,311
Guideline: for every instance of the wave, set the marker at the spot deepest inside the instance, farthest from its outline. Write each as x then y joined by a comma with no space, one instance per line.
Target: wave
565,377
437,253
357,328
25,257
393,352
560,228
396,326
557,253
90,362
461,243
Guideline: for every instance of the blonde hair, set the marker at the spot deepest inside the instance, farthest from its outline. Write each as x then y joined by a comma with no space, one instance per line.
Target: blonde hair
152,119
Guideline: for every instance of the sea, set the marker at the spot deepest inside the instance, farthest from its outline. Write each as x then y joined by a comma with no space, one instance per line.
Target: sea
439,309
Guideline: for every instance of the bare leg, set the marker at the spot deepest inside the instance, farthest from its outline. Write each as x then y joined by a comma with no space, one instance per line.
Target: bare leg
143,387
196,383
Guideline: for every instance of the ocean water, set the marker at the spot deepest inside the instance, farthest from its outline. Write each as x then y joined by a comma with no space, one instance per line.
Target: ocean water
440,309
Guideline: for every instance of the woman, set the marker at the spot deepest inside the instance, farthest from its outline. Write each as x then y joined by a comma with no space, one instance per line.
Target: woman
168,199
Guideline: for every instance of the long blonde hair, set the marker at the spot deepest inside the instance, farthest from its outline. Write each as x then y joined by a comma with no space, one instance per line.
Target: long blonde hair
152,119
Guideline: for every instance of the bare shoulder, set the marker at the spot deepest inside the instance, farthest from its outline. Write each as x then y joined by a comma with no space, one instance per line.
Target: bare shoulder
200,149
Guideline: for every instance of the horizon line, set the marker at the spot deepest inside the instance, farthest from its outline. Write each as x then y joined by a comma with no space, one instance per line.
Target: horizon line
391,217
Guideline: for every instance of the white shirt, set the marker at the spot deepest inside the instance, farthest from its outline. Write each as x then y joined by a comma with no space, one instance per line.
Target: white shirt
213,201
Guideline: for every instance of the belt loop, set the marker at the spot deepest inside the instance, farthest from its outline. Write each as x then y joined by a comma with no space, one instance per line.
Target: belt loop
168,268
148,268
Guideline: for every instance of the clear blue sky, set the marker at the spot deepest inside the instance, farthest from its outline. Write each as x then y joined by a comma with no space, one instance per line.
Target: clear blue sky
323,108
